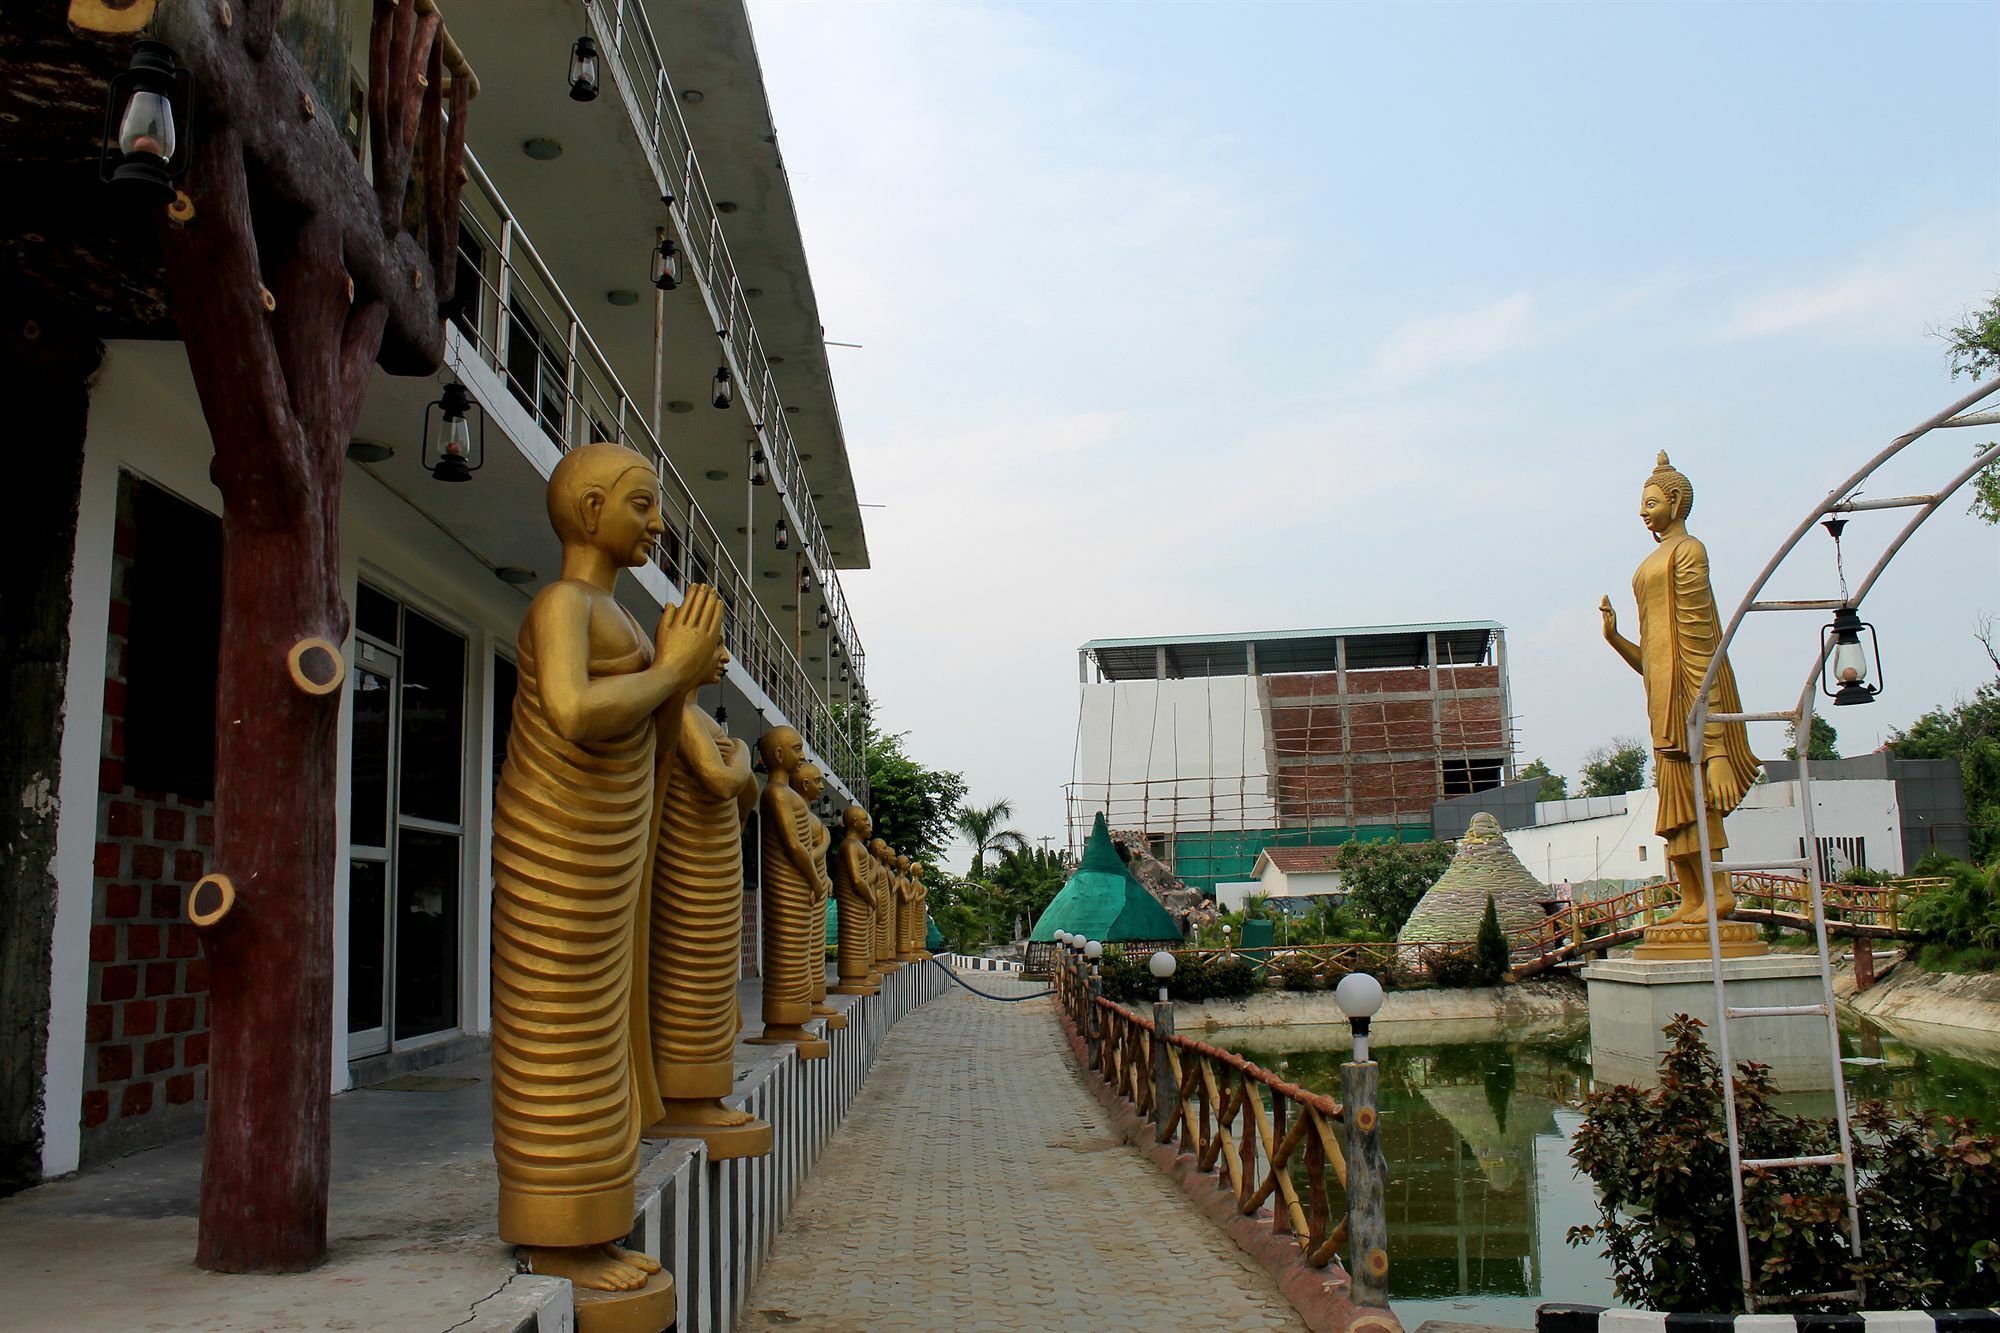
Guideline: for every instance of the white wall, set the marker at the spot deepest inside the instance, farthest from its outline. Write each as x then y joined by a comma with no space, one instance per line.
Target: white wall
1276,883
1207,732
1766,827
144,418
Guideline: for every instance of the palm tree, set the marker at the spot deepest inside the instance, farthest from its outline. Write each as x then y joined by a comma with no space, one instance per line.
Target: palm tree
981,826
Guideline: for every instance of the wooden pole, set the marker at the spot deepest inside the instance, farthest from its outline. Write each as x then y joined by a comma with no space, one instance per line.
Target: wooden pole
1093,1025
1367,1228
1166,1093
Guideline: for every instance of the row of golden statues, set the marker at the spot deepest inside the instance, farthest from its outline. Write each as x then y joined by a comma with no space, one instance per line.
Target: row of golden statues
618,898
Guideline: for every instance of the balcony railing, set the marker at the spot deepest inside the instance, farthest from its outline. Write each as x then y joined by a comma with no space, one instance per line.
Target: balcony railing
513,313
626,35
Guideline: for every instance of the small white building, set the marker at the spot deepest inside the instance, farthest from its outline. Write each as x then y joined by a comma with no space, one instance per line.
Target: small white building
1297,872
1855,823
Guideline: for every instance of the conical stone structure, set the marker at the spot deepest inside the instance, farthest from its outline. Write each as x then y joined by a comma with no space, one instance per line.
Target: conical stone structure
1451,909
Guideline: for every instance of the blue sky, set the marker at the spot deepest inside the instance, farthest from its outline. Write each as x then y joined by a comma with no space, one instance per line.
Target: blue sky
1187,318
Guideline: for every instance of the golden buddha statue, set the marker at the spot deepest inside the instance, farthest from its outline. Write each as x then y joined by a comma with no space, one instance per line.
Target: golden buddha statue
921,914
884,885
1680,633
696,936
907,932
792,939
811,783
575,817
853,887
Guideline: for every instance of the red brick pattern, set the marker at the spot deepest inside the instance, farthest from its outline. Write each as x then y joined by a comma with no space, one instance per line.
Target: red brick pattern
146,1025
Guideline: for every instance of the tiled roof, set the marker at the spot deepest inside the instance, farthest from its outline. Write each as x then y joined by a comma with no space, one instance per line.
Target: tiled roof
1302,860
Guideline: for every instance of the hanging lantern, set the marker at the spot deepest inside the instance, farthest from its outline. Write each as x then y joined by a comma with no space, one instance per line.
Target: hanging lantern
724,390
143,152
666,263
458,456
824,618
781,535
836,648
1844,663
843,673
721,715
758,476
583,69
805,579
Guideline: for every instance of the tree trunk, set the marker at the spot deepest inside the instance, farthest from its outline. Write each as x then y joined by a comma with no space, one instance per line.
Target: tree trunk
266,1168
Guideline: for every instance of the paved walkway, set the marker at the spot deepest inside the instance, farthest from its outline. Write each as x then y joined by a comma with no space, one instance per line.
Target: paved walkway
977,1185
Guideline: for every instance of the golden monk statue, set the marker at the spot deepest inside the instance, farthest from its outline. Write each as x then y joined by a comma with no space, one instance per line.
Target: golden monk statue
907,933
574,822
811,783
697,934
793,940
921,914
884,885
1680,633
853,887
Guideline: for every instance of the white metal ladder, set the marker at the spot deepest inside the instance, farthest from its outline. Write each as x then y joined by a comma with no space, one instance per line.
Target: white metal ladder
1836,504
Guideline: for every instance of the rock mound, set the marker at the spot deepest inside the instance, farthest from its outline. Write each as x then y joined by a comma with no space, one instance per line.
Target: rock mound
1451,909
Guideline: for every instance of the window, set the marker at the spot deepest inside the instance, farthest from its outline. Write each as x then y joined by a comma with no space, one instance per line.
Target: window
172,640
537,370
1462,777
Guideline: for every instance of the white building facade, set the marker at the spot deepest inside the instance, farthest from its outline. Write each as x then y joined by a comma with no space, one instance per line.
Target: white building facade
556,334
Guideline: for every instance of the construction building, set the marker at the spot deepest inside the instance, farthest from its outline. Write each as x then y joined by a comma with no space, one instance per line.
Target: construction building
1215,747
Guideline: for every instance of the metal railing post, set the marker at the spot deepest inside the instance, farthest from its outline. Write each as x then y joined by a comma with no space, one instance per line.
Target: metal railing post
1367,1228
1166,1092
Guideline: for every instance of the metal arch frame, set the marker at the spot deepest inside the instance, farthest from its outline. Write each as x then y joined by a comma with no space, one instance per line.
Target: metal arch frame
1801,717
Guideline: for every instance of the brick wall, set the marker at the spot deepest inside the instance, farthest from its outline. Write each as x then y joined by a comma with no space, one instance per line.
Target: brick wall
146,1030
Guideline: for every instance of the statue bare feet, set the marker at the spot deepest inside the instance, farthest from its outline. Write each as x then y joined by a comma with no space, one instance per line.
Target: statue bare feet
593,1267
639,1259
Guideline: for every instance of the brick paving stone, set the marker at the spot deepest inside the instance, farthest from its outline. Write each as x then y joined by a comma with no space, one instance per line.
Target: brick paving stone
977,1185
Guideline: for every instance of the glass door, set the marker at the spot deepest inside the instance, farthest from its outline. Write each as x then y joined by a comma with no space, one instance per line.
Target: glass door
407,832
372,778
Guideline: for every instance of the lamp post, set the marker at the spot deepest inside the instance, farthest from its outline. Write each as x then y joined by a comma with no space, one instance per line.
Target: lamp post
1360,998
1093,1027
1225,937
1166,1092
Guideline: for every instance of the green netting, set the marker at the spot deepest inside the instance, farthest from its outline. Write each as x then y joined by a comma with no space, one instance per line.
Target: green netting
1103,900
1204,859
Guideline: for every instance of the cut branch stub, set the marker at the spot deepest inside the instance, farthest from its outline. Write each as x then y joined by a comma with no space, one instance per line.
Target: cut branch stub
211,900
111,17
316,666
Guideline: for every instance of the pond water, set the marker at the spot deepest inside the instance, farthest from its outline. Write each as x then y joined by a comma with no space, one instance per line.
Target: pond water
1476,1132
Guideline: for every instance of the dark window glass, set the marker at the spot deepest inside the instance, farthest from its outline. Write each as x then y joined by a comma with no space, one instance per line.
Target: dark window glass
433,718
368,789
375,615
367,924
172,639
467,294
506,680
426,933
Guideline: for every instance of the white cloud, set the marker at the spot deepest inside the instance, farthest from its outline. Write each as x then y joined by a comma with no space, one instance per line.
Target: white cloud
1890,293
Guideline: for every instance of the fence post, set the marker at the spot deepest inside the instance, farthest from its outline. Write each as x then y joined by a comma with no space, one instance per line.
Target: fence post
1367,1228
1166,1092
1093,1025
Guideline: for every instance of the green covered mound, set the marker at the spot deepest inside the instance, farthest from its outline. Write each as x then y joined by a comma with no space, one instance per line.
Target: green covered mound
1450,910
1104,901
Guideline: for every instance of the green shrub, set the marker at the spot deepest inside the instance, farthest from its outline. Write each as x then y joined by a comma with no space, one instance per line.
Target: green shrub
1930,1195
1490,948
1297,971
1128,980
1963,912
1453,969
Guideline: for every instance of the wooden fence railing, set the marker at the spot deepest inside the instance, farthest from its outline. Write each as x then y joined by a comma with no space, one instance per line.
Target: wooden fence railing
1263,1139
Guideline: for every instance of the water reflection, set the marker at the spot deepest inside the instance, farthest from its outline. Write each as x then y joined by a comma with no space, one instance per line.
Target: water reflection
1476,1129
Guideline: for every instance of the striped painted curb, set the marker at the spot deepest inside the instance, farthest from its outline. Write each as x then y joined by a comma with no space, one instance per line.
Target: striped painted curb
1603,1319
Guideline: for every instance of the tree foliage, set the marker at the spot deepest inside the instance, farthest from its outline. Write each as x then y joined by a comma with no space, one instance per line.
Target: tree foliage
1490,948
984,826
1825,742
1973,348
1930,1195
1384,879
912,805
1027,881
1615,767
1969,732
1555,787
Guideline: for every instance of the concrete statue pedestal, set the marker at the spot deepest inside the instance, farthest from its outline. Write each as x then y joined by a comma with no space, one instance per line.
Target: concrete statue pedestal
1631,1000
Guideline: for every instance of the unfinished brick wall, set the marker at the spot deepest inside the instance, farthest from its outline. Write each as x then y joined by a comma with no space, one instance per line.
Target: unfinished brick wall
146,1028
1380,751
